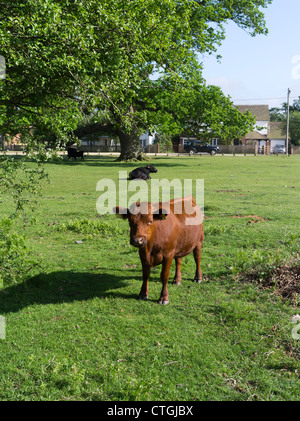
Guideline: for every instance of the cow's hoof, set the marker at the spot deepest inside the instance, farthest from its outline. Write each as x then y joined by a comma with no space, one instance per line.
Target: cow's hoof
176,282
198,280
163,302
143,297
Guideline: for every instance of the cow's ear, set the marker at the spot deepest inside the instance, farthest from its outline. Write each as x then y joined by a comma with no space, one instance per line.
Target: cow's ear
121,212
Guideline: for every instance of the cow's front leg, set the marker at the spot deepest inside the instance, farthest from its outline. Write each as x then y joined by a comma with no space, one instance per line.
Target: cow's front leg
164,276
145,286
177,278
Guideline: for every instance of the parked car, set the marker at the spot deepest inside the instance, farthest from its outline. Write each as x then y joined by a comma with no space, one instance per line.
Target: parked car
279,149
196,146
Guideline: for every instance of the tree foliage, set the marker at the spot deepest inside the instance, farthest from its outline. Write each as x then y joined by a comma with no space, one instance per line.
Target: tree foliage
21,183
280,114
129,65
294,127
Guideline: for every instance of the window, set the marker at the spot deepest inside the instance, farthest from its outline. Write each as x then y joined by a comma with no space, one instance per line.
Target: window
215,141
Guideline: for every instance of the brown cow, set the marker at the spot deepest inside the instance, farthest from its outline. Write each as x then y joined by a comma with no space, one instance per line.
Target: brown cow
173,230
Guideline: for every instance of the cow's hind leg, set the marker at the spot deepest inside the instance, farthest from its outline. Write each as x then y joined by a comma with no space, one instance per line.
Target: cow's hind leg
164,276
197,257
177,278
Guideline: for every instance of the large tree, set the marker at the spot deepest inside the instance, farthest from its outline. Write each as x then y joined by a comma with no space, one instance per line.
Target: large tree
125,66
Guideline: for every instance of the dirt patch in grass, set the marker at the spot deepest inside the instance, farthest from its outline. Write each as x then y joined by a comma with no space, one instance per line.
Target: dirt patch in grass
260,218
285,279
252,218
228,191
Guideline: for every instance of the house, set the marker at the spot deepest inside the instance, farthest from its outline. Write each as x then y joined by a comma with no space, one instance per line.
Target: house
261,133
267,134
12,143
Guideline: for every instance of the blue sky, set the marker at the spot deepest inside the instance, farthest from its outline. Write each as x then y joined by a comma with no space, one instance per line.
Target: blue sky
259,70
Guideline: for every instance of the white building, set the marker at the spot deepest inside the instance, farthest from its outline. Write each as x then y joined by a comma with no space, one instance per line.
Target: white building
146,139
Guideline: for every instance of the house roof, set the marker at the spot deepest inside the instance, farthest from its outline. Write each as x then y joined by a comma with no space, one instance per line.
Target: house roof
276,130
255,136
261,112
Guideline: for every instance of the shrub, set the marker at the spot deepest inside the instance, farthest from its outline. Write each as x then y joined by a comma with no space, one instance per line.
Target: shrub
16,261
20,182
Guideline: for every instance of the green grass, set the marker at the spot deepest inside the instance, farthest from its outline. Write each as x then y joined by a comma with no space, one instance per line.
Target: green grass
76,330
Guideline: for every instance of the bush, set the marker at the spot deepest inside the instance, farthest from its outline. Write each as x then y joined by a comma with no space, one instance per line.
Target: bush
16,261
20,182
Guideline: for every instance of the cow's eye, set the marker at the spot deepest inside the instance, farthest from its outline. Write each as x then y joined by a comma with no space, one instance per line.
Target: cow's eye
149,223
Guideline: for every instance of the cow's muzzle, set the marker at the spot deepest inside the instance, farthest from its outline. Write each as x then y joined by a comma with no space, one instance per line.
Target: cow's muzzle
138,241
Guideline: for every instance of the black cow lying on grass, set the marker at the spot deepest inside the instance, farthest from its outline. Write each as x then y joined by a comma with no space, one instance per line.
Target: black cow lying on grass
73,153
142,173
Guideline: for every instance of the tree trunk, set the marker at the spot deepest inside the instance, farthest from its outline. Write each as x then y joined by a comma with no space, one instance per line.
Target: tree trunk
130,146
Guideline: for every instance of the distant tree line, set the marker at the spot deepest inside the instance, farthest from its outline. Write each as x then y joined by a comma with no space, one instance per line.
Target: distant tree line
280,114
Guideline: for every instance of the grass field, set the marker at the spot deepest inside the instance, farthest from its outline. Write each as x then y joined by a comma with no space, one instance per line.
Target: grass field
76,330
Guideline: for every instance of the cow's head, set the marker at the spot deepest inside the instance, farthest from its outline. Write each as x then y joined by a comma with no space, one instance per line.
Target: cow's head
151,168
141,218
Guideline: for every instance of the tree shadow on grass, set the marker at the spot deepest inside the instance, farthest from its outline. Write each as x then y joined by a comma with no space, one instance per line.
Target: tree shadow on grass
109,161
63,287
